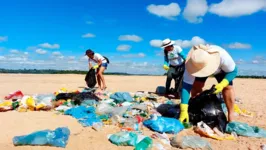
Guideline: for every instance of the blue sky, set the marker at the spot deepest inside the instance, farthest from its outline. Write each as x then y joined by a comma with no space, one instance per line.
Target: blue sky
55,34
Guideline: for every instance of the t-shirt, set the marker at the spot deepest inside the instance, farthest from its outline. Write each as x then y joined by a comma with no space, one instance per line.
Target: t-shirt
227,64
173,57
98,57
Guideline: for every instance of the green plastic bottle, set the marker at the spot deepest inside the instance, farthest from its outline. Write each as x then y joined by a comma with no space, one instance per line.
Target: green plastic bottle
144,144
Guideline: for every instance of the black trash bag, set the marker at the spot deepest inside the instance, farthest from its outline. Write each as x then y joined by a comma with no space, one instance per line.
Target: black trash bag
79,98
205,107
65,96
91,78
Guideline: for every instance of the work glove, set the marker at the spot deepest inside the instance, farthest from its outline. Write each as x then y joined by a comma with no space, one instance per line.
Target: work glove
165,67
95,67
219,87
184,113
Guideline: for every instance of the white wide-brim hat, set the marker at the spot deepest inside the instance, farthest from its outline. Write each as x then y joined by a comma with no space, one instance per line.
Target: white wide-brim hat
167,42
202,61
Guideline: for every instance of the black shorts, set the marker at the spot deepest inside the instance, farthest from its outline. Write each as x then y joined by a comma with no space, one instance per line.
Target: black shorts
219,77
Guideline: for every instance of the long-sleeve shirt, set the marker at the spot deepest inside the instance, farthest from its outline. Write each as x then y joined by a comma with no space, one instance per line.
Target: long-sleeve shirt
175,57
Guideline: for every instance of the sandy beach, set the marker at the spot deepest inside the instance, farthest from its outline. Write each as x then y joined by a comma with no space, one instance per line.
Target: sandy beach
251,92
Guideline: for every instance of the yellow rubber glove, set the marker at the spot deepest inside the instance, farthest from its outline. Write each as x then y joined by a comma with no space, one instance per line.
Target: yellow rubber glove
95,67
219,87
165,67
184,113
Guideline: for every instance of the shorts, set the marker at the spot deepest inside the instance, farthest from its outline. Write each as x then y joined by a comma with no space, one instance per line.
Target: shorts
219,77
104,65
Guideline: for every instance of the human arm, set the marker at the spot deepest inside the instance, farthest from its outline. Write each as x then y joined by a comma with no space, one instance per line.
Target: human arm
183,55
166,62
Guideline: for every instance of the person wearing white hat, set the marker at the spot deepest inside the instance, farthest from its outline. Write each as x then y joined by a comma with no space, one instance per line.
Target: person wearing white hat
173,63
202,62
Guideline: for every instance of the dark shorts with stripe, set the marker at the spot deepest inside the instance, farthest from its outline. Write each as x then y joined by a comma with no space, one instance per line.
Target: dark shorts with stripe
219,77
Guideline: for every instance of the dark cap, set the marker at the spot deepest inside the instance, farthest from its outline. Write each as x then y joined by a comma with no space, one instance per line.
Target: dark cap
89,51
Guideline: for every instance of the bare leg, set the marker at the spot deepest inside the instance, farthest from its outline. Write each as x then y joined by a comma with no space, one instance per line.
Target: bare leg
197,88
229,98
99,79
100,73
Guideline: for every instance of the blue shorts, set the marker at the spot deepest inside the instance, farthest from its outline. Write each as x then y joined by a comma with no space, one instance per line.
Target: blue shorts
104,65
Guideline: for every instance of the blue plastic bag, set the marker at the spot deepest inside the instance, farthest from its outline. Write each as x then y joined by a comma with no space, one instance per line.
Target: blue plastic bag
124,139
163,124
80,112
121,97
89,120
244,129
193,142
58,138
86,116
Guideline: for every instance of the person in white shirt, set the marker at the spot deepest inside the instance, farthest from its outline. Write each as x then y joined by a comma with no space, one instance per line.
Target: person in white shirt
101,66
173,63
204,61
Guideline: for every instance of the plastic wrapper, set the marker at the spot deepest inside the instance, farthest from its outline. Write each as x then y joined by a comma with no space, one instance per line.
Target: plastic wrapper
58,138
124,139
193,142
163,124
244,129
90,78
121,97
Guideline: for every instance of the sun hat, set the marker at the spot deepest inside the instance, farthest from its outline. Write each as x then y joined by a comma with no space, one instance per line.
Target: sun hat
167,42
202,61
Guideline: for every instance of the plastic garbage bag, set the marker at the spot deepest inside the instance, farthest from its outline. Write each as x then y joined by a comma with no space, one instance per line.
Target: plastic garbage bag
58,138
205,107
104,108
163,124
90,78
124,139
80,97
44,98
89,120
62,108
160,90
194,142
244,129
144,144
88,102
80,112
119,110
121,97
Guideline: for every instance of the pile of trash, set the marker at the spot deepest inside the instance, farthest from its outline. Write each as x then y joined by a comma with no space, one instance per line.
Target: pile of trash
131,112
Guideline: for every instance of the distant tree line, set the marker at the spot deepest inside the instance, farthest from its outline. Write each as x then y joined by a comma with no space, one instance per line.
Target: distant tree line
51,71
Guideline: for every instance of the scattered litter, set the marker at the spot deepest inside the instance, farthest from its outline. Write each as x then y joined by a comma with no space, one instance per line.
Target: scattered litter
243,129
58,138
193,142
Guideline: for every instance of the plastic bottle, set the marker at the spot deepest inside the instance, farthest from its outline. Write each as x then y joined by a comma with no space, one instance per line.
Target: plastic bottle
97,126
144,144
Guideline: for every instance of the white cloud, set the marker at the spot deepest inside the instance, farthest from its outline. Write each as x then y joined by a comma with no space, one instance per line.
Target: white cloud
238,45
189,43
3,38
156,43
83,58
236,8
49,46
32,48
40,51
124,48
2,58
139,55
133,38
89,22
88,35
14,51
57,53
255,61
195,10
71,58
26,53
240,61
182,43
169,11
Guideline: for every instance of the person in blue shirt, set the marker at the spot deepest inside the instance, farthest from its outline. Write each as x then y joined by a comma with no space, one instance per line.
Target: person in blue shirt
173,63
202,62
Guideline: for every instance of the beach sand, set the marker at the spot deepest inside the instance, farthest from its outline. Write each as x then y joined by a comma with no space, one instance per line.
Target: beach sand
252,93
